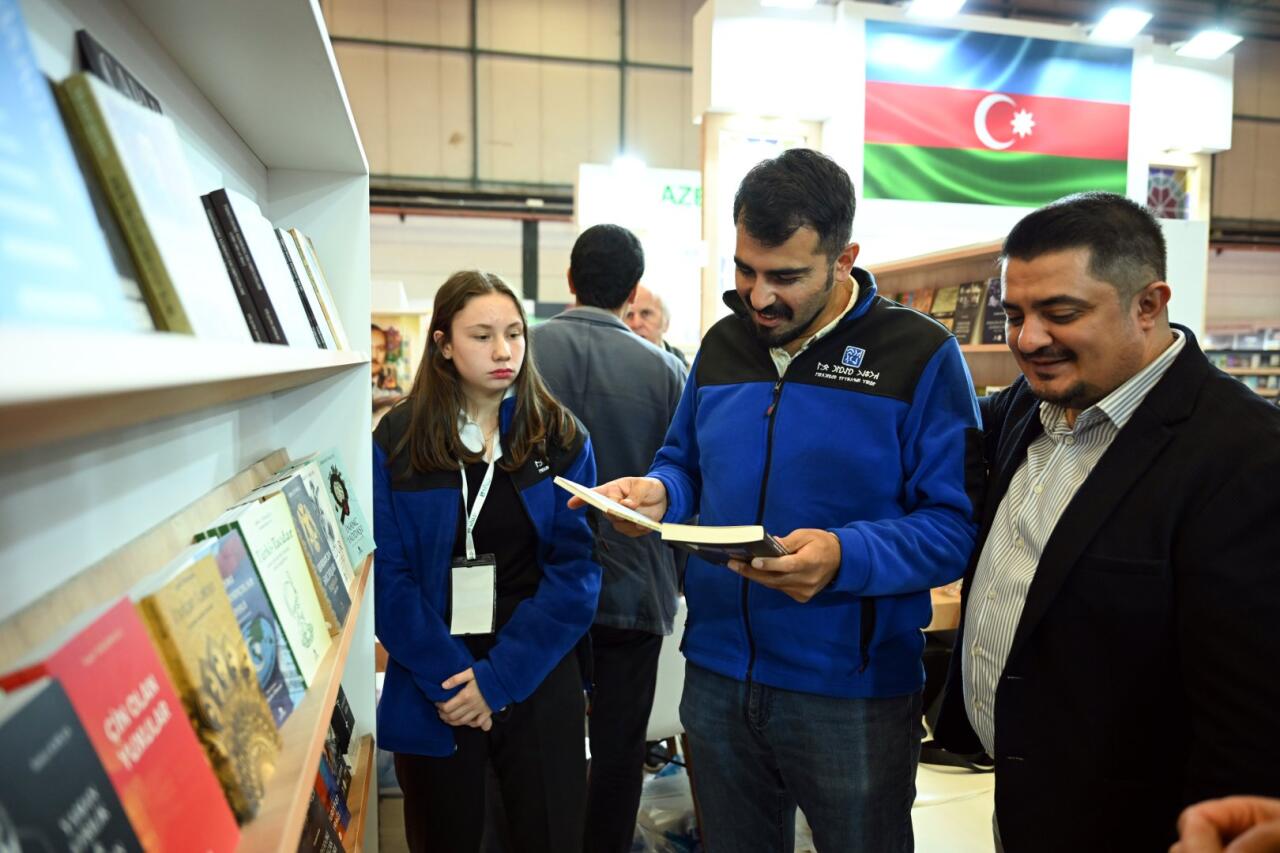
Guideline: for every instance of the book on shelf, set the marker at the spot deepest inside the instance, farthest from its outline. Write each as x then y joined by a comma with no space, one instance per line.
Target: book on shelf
122,694
278,677
269,535
356,532
993,313
55,793
317,486
715,544
944,305
922,300
332,798
248,305
343,721
186,610
138,158
319,550
318,834
97,59
306,291
968,308
265,263
311,261
337,761
55,257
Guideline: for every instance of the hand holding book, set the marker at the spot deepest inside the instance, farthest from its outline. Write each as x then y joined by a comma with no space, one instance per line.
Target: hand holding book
810,564
635,506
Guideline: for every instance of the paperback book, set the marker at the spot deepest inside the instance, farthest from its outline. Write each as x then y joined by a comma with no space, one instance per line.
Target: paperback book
711,543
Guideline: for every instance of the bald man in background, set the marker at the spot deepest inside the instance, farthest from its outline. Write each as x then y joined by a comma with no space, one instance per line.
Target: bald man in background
649,318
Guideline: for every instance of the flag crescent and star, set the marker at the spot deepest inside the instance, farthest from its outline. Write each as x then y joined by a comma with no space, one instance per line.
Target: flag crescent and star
987,118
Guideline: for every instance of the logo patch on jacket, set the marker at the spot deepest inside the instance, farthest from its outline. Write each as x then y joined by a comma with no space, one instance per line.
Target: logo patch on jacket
853,356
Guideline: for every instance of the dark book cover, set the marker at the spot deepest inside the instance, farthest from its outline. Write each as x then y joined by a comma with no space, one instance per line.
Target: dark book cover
278,676
244,259
315,545
334,801
993,314
968,307
97,59
251,316
302,293
54,793
344,722
318,834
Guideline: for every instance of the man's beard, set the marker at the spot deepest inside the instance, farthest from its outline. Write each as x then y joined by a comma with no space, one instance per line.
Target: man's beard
1079,396
788,332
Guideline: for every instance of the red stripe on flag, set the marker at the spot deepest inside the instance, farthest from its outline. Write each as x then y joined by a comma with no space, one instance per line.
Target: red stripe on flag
937,117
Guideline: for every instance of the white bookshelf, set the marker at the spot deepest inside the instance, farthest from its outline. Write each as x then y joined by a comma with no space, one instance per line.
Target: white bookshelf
103,437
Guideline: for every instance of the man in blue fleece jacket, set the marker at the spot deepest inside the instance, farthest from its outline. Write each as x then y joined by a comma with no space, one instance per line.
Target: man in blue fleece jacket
847,422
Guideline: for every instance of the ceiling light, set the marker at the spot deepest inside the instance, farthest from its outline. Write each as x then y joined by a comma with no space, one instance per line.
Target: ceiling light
1208,44
933,8
1120,25
788,4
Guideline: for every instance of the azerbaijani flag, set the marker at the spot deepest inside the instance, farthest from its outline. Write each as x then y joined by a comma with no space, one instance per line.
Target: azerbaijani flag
980,118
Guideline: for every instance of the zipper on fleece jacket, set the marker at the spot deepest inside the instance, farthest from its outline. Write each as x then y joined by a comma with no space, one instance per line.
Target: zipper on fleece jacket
771,413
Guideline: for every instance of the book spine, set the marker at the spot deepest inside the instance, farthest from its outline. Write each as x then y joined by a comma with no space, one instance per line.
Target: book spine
339,333
101,62
240,248
302,295
91,128
251,316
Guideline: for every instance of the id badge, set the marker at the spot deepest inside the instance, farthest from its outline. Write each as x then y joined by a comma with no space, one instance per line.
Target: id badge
474,595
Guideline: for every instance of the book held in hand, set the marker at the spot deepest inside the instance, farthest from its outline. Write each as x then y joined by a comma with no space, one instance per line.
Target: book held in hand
711,543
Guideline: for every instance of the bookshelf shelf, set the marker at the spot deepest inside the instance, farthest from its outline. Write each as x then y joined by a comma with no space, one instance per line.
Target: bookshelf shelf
106,381
362,778
284,809
1252,371
989,364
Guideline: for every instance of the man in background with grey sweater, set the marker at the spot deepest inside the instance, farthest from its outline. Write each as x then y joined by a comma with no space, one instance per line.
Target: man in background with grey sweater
625,390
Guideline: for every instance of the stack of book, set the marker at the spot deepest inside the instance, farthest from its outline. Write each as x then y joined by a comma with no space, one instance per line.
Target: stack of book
168,702
110,230
972,311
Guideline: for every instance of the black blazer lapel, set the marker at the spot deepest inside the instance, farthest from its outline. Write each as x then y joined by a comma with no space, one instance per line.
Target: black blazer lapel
1130,455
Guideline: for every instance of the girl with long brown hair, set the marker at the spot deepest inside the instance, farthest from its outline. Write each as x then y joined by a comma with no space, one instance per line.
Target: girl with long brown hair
484,583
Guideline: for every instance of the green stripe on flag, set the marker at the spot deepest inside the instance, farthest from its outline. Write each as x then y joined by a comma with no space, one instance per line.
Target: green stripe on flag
983,177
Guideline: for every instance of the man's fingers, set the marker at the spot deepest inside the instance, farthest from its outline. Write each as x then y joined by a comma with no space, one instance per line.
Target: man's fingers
1264,838
1198,835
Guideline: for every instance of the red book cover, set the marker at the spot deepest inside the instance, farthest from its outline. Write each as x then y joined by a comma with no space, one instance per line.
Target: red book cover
120,691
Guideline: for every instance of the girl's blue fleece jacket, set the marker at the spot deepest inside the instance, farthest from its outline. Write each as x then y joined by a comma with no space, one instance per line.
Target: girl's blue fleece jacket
873,434
415,520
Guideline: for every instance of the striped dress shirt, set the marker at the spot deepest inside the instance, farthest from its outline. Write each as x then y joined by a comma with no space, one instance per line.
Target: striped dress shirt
1057,464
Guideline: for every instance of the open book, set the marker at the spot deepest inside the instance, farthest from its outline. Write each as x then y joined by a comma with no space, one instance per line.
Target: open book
713,544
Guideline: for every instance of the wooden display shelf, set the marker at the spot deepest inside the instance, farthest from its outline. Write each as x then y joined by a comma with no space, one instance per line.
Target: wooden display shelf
938,269
982,348
278,825
1266,392
100,381
363,775
1252,371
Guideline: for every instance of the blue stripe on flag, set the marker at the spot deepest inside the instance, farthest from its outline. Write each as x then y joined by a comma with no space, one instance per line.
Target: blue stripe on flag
957,59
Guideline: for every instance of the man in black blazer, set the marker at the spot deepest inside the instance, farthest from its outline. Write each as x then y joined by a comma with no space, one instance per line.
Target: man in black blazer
1119,647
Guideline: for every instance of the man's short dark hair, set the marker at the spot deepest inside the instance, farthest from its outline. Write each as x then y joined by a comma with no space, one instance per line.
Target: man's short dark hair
798,188
606,264
1125,243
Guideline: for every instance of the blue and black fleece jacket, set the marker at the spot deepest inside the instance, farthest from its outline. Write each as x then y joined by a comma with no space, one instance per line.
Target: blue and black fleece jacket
873,434
415,522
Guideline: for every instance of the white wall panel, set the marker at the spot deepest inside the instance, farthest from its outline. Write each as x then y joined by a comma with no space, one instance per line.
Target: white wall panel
661,31
364,73
429,113
539,120
659,129
581,28
435,22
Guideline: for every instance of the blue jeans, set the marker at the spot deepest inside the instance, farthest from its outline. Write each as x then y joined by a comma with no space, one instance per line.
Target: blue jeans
757,752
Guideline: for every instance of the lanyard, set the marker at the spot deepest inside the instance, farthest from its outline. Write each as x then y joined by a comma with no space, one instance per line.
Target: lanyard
474,515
